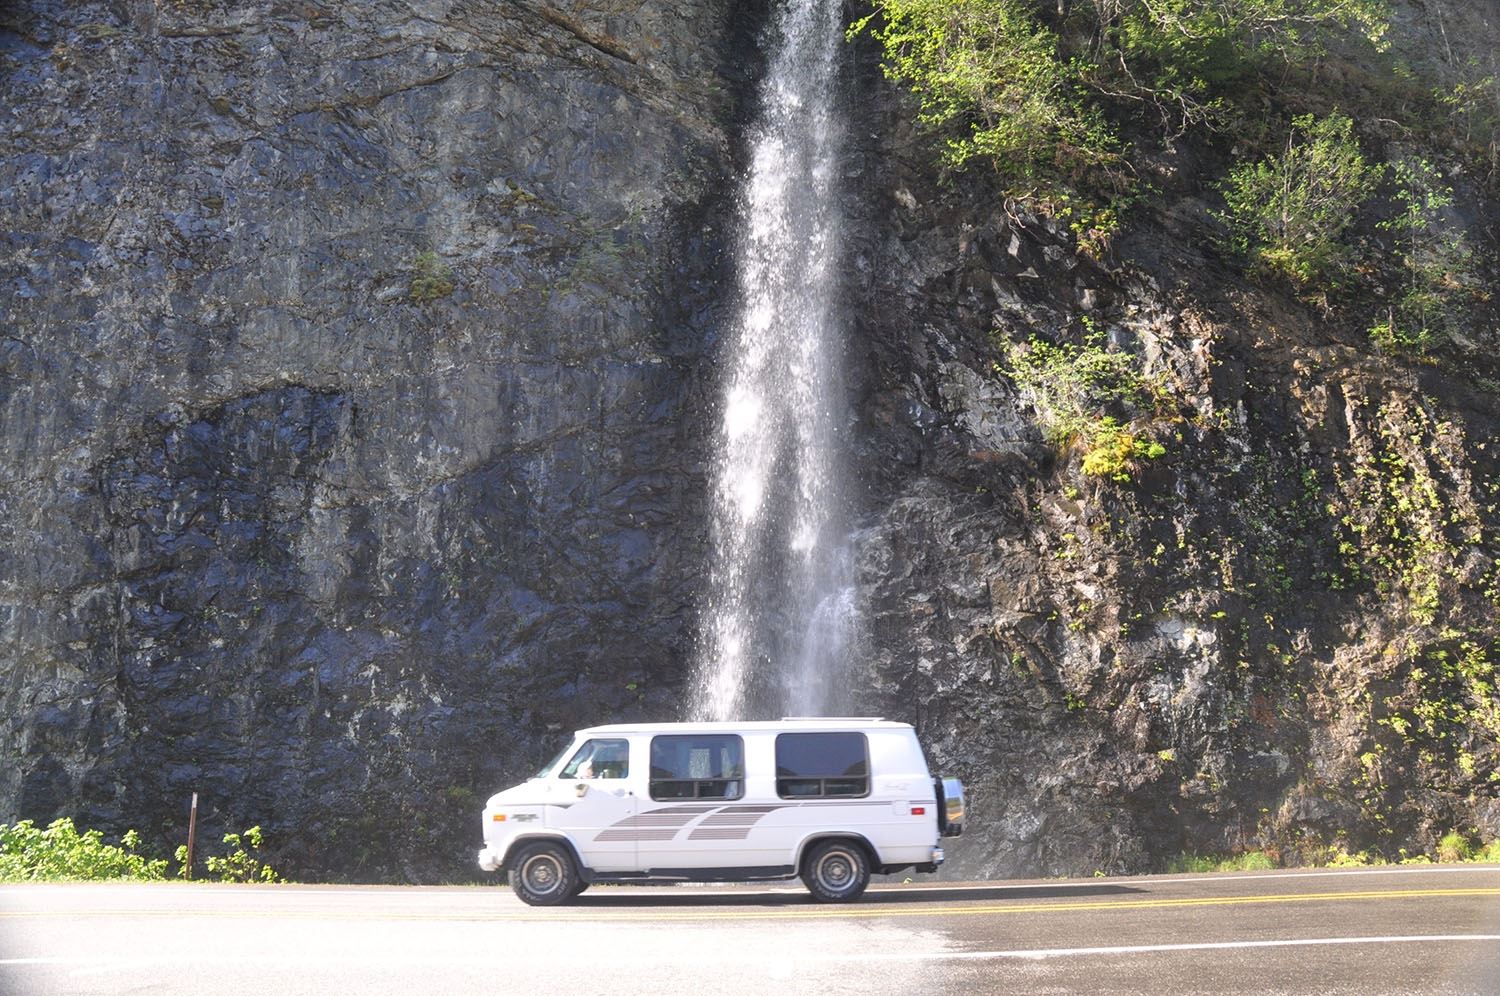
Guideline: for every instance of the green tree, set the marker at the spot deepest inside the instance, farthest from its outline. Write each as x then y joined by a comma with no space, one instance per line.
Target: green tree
1289,212
1434,261
993,82
1032,87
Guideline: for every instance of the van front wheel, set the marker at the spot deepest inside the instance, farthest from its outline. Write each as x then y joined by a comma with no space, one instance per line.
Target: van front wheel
544,875
836,871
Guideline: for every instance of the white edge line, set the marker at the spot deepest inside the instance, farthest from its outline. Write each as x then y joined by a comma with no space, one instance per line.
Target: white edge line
1331,873
1206,878
1034,954
1038,954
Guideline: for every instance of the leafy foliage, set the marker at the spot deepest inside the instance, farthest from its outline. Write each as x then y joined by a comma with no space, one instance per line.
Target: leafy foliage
1031,87
243,863
1434,261
1090,396
1196,48
1115,451
1453,848
1289,211
994,81
60,853
1469,107
1402,528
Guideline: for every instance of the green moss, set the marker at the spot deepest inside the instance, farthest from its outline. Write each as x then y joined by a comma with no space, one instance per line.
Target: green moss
431,278
1403,523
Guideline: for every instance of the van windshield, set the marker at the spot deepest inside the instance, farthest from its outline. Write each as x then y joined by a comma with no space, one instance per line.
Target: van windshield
556,759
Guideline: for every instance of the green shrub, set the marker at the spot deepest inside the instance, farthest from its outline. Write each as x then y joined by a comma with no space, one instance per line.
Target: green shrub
1435,262
1465,105
61,853
1188,863
993,82
1289,212
1340,858
243,863
1090,397
1035,88
1114,451
1254,861
1193,49
1072,387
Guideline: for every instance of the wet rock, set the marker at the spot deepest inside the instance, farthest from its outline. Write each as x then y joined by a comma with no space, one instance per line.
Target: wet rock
338,555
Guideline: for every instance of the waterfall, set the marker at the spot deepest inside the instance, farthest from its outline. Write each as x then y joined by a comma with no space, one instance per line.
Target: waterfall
780,614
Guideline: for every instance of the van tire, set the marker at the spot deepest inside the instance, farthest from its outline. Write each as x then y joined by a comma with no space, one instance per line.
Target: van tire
836,871
544,875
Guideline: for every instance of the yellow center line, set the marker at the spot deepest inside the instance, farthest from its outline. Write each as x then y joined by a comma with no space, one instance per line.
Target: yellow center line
819,913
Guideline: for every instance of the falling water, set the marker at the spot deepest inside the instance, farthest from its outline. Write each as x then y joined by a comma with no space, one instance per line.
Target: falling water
781,607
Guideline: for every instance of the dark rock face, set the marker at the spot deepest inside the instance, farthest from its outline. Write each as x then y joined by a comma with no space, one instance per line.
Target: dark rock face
355,368
350,388
1254,644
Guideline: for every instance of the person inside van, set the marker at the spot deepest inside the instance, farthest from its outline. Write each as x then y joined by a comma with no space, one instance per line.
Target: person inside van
612,760
599,759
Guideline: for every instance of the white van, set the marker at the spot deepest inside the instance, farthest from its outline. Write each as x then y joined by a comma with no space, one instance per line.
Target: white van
831,800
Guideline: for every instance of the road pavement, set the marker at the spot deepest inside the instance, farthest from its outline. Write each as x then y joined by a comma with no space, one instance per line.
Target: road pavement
1386,930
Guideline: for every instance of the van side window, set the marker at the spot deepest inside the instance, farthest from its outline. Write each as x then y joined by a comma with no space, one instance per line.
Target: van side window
599,759
822,765
698,766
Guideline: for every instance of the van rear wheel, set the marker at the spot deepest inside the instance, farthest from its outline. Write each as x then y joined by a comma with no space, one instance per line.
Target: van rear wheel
544,875
836,871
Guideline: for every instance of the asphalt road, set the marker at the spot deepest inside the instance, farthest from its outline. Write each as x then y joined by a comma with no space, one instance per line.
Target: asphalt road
1389,930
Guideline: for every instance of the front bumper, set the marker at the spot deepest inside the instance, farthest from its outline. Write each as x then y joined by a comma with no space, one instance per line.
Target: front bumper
490,860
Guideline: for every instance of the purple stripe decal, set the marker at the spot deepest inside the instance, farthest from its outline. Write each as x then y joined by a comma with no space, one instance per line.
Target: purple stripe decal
700,808
623,835
753,809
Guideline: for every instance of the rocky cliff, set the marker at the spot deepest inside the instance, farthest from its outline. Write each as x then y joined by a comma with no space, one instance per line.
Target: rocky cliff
1282,634
351,395
357,365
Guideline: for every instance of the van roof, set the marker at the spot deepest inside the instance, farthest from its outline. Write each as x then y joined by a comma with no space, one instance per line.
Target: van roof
789,725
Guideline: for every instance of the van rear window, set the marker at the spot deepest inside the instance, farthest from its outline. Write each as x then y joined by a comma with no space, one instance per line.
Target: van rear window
697,766
822,765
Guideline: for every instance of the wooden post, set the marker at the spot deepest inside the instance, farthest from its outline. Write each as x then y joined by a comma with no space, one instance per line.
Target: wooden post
192,833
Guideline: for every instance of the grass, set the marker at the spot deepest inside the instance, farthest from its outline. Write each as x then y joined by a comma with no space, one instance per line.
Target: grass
1452,848
1248,861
